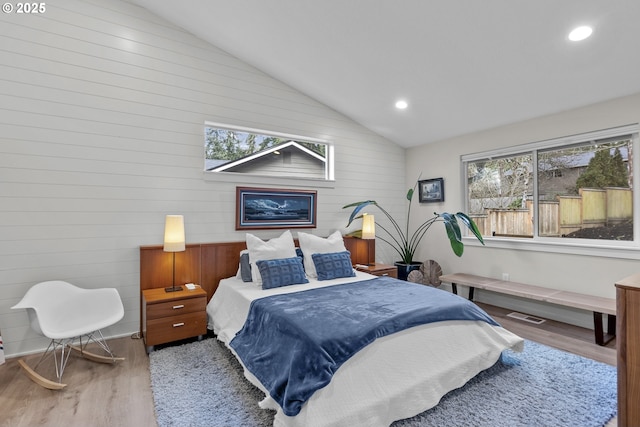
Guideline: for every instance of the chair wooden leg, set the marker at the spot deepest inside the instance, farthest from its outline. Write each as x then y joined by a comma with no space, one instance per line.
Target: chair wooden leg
96,357
56,351
59,351
97,338
39,379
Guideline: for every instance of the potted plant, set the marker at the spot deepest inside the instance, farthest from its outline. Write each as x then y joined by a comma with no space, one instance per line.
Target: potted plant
406,244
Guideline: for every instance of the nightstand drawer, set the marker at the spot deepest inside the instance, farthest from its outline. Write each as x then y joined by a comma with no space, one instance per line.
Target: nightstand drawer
175,328
379,269
176,308
391,272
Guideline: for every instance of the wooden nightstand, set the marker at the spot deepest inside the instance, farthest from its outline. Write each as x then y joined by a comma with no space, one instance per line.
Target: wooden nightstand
380,270
172,316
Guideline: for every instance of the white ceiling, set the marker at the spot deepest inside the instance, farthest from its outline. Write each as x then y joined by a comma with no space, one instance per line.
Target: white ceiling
462,65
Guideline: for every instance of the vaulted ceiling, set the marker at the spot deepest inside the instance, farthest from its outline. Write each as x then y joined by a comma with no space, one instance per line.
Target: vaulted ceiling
461,65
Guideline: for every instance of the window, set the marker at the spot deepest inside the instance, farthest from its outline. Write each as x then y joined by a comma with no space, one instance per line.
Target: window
571,190
230,149
592,197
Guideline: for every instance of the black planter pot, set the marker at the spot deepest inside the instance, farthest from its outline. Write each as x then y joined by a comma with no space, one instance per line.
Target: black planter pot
405,269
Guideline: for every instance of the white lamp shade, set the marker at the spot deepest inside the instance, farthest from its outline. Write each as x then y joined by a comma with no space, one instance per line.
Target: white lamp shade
368,227
174,233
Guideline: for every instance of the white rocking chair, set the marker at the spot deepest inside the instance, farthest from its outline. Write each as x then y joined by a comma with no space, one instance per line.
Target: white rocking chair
65,314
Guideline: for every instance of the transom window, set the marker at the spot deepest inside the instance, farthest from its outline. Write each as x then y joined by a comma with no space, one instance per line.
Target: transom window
232,149
573,189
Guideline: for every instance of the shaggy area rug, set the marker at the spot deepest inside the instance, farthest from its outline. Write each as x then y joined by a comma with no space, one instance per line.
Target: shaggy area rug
201,384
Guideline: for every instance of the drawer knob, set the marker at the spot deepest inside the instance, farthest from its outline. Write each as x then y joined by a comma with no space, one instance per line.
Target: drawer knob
177,325
175,307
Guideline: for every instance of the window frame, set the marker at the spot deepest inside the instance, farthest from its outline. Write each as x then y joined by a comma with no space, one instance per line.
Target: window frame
591,247
327,182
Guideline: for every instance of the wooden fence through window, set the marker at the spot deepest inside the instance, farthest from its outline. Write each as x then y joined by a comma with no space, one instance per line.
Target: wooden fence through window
591,208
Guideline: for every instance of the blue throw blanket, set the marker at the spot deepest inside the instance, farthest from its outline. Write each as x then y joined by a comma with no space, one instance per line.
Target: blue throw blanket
294,343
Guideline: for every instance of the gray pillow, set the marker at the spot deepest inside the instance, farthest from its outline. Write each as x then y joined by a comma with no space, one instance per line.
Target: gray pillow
245,267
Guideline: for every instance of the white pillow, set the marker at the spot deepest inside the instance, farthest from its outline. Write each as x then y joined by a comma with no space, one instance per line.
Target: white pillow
278,247
311,244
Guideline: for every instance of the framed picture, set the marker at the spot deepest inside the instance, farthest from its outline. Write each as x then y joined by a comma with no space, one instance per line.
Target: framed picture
263,208
431,190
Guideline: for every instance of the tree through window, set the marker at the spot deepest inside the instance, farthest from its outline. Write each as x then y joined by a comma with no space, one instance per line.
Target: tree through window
592,197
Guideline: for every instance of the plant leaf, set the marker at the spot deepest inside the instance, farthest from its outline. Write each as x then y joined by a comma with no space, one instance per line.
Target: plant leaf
356,204
358,208
410,194
471,225
456,244
453,232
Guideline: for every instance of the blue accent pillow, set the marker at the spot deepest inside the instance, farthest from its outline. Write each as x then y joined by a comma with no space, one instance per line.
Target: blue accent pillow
281,272
245,264
333,265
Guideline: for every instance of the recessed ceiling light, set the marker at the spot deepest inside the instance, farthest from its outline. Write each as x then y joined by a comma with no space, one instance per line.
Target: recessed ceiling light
401,105
580,33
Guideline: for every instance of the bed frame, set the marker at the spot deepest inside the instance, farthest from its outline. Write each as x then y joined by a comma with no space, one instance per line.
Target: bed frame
207,263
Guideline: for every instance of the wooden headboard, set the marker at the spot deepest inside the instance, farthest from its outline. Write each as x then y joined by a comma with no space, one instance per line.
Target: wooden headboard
207,263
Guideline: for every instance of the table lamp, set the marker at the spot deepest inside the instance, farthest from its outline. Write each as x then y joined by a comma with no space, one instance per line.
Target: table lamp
174,242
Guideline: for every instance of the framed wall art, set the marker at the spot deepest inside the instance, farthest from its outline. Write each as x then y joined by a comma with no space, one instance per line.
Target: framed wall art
264,208
431,190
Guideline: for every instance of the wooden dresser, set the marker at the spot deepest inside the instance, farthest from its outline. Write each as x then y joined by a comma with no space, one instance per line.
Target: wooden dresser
628,329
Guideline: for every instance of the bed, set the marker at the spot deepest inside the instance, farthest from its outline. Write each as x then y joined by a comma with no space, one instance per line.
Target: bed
396,376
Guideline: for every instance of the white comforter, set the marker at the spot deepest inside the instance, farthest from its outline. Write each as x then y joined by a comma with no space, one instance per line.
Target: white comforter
396,377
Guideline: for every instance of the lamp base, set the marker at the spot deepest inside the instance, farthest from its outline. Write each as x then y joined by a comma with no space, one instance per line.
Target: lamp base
173,289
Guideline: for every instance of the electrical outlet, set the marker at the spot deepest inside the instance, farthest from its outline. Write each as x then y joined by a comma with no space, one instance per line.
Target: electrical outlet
505,277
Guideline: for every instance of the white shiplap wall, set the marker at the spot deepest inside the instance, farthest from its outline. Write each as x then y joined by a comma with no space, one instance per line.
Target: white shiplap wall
101,131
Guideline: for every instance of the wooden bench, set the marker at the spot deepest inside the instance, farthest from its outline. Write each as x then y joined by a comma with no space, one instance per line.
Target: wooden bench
597,305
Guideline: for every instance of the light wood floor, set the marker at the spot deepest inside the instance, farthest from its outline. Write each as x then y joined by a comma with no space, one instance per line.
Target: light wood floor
96,394
105,395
